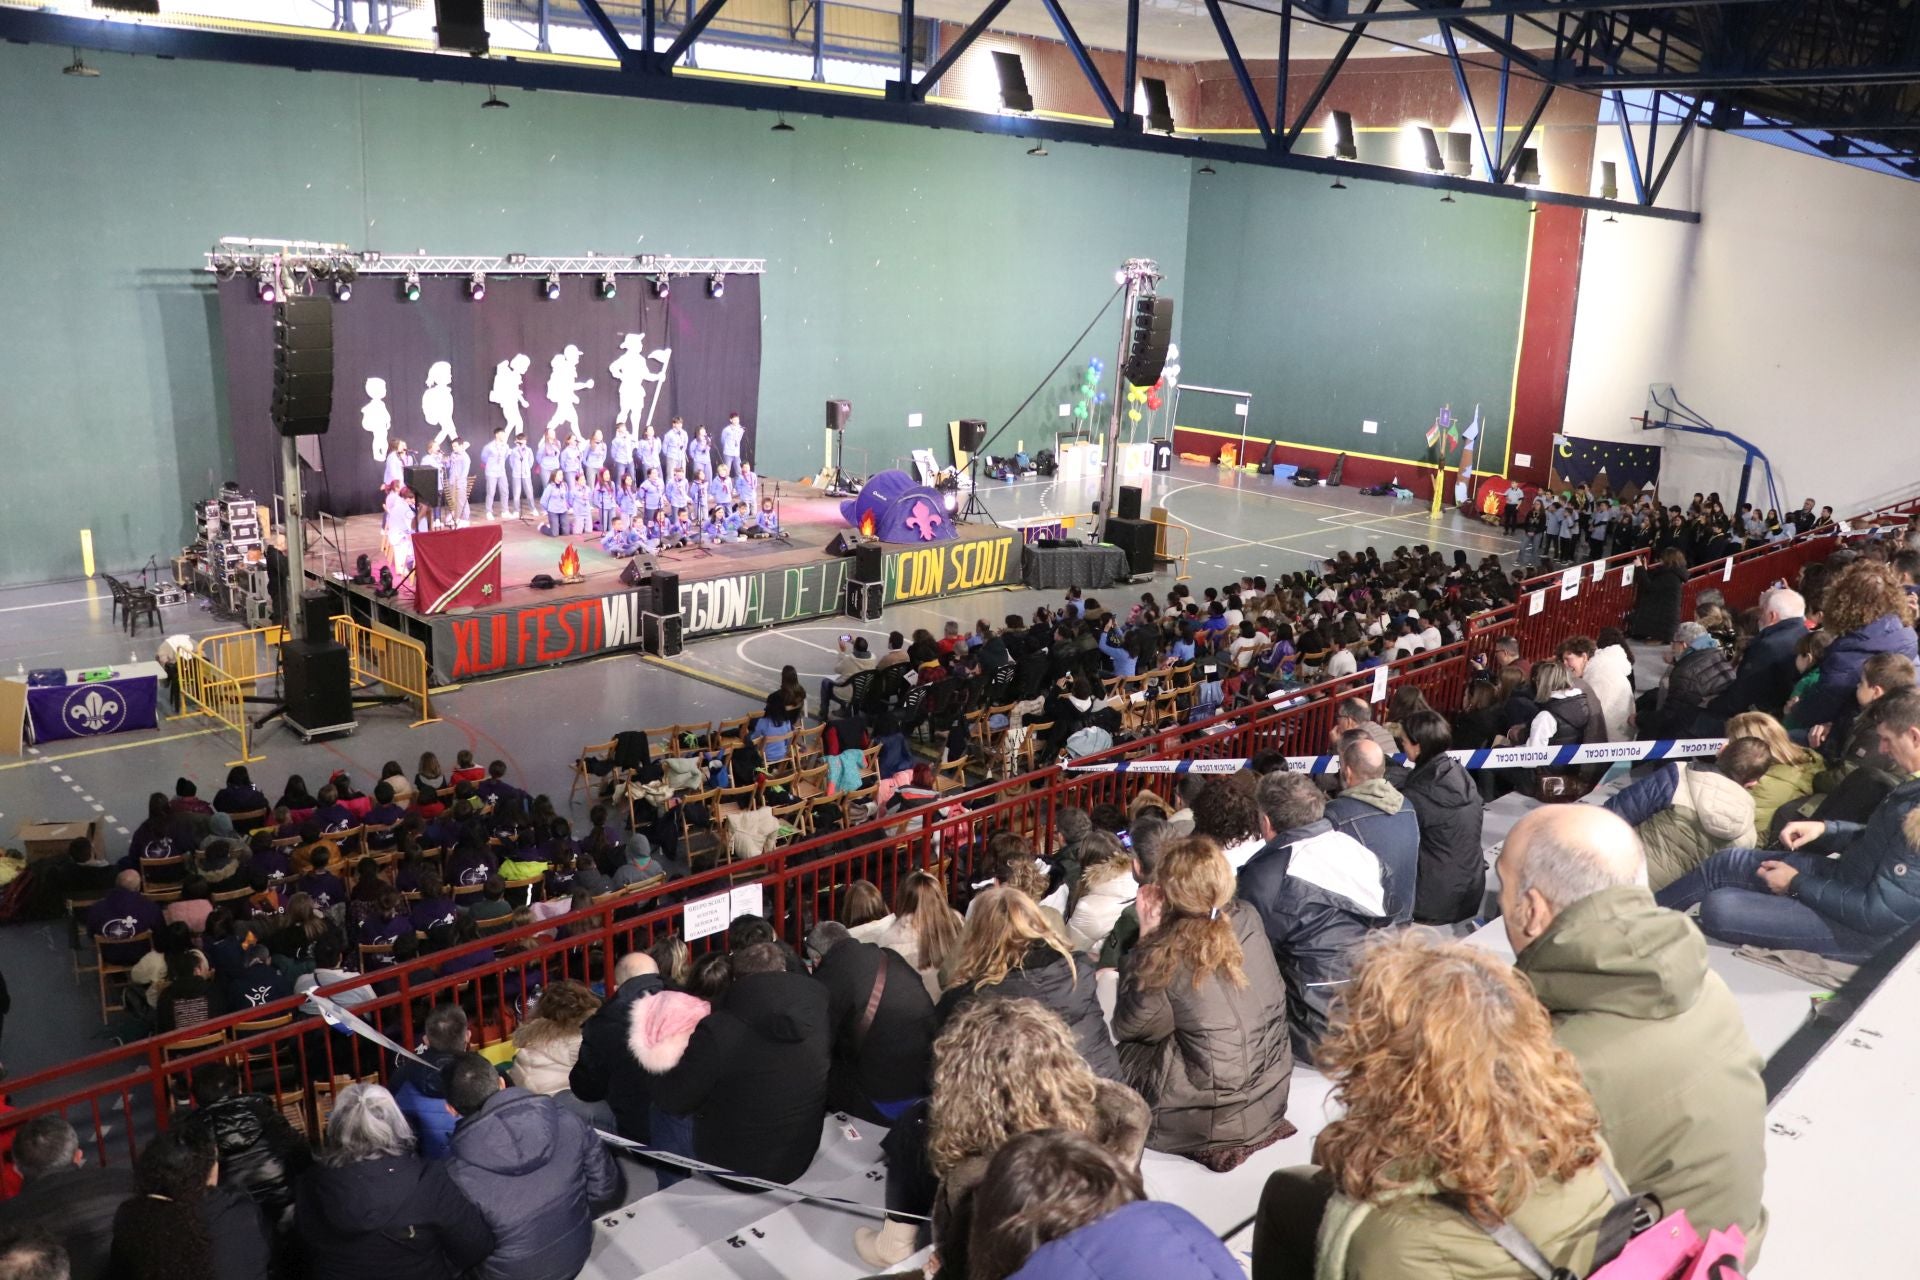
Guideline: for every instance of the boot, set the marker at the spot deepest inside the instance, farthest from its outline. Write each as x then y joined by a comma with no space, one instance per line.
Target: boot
891,1245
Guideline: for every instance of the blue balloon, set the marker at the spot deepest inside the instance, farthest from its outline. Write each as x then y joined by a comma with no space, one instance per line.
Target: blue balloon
1101,398
1095,362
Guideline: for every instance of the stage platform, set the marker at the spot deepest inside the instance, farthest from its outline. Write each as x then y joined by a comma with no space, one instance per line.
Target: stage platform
731,587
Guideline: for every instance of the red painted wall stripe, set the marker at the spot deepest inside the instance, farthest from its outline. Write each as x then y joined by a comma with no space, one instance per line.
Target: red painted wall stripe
1546,337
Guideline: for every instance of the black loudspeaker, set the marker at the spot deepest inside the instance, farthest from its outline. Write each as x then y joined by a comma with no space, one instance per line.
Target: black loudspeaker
839,413
1136,538
318,685
424,480
864,600
1147,341
461,25
843,543
973,434
661,634
633,574
666,593
317,611
869,563
1159,111
1014,94
303,366
1128,505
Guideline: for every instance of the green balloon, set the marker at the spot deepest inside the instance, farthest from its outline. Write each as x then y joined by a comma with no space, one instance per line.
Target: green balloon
1080,411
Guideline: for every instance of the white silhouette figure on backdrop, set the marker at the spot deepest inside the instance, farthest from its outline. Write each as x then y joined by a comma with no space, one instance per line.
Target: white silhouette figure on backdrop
630,370
564,392
507,393
436,402
374,417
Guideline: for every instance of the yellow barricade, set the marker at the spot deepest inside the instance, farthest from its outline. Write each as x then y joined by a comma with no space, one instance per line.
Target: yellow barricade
206,690
395,663
1166,527
246,656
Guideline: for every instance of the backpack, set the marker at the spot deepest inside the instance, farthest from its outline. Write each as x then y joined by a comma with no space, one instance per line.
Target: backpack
1087,741
1634,1245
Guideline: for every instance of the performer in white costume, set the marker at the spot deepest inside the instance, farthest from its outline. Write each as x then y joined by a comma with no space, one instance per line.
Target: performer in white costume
436,402
374,418
508,395
564,392
396,529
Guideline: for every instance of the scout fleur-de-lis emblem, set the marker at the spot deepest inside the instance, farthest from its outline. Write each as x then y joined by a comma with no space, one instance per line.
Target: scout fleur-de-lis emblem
95,711
486,588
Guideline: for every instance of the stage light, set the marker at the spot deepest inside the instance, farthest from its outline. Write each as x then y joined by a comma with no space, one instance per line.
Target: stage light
1459,152
477,285
1037,149
552,287
716,286
1429,148
1207,170
410,289
1527,172
949,500
661,287
1343,143
268,290
516,259
79,68
494,101
1012,74
343,289
609,286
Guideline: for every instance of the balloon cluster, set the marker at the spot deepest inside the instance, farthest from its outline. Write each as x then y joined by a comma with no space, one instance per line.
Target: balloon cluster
1090,392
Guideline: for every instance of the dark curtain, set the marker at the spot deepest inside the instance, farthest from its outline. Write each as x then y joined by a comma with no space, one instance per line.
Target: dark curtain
714,369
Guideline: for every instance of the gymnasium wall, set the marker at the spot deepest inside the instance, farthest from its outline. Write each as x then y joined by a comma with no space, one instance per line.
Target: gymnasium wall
1334,307
1786,316
914,271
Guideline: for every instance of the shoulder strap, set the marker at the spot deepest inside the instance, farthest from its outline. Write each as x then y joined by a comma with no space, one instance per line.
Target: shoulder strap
873,999
1515,1243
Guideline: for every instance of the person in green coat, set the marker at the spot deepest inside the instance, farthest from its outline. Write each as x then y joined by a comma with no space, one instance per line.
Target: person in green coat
1457,1101
1789,777
1659,1039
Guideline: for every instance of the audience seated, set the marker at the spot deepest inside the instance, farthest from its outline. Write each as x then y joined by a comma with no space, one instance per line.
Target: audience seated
1605,672
1867,612
1372,811
260,1154
1317,891
607,1070
535,1171
1684,811
181,1221
419,1088
1764,678
1659,1040
1201,1013
753,1077
1843,907
923,929
1451,880
546,1047
63,1197
1106,889
122,915
882,1023
1792,770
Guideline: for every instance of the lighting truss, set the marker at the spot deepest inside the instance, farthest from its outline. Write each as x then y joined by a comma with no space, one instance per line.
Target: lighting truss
327,260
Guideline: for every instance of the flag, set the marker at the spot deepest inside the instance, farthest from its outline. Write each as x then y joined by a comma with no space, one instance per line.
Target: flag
1473,428
1433,434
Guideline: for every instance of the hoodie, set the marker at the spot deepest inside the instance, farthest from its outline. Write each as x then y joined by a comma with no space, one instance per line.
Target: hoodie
398,1217
1663,1050
754,1077
535,1171
1145,1240
1452,881
1379,817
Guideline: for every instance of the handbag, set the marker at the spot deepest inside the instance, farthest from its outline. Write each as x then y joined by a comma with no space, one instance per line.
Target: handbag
1636,1243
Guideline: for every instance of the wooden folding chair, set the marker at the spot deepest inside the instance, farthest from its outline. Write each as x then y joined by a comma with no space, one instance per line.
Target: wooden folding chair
272,1069
245,823
951,776
1030,744
162,873
497,924
581,775
734,731
325,1091
79,940
110,973
375,955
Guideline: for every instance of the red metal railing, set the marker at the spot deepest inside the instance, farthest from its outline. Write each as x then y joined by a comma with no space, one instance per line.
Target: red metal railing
118,1093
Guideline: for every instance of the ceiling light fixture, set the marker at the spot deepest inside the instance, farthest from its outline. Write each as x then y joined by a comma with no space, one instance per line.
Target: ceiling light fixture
410,288
1337,185
78,67
1208,170
494,100
552,287
661,287
609,286
716,286
781,125
1037,149
477,286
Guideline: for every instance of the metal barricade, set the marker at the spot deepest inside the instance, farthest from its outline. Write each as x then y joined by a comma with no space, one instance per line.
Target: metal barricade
395,664
206,690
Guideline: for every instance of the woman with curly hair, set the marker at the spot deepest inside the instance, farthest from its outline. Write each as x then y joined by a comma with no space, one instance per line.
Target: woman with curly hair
548,1044
181,1224
1002,1068
1460,1113
1867,611
1009,952
1201,1013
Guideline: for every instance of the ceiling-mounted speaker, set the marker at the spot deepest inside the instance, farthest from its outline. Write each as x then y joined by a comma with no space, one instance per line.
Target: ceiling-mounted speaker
1609,180
461,25
1344,146
1159,110
1014,95
1459,150
1527,171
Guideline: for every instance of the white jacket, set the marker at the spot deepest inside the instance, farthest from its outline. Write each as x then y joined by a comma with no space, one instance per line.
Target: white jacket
544,1067
1099,910
1610,675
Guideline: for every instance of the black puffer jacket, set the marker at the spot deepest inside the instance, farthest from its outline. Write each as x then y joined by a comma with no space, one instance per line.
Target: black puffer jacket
1064,986
1656,608
1453,867
399,1218
754,1077
260,1154
606,1069
890,1060
1699,676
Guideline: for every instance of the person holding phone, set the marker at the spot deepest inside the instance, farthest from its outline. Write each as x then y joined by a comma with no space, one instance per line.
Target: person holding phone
855,657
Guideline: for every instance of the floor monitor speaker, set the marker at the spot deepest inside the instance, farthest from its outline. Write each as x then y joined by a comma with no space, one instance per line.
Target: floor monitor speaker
318,684
1135,537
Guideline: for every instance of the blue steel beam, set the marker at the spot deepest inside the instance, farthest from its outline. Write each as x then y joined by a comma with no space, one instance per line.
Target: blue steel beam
1085,59
1633,152
352,57
1239,65
1466,100
1680,140
918,90
1511,156
906,39
1286,60
611,34
1429,10
1130,70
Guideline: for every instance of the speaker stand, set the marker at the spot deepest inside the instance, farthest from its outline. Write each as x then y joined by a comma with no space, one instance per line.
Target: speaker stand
974,509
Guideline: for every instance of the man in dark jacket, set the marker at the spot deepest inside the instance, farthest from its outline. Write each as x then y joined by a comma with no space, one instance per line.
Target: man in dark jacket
1766,675
62,1197
1845,908
420,1090
1369,809
260,1154
260,983
606,1070
754,1074
1318,892
1452,881
1660,1042
883,1025
536,1172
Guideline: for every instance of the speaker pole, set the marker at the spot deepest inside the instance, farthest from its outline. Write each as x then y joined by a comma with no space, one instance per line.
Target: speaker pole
295,527
1142,276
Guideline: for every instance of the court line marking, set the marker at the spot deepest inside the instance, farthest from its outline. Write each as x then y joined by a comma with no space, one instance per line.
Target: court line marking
48,604
118,746
1363,521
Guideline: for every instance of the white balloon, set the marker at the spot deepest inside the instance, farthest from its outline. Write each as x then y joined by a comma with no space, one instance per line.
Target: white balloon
1173,352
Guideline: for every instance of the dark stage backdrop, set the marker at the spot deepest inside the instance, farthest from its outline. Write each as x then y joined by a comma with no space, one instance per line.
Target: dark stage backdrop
714,368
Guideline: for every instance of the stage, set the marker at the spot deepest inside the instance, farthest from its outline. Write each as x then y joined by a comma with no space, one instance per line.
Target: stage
732,587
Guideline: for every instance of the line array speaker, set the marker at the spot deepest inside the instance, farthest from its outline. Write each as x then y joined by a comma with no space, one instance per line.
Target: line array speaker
1014,94
461,25
1147,341
318,684
303,366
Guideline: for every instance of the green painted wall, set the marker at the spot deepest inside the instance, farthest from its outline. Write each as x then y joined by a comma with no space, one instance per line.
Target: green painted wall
910,270
1337,307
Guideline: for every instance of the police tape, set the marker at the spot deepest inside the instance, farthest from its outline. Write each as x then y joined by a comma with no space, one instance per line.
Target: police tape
1484,758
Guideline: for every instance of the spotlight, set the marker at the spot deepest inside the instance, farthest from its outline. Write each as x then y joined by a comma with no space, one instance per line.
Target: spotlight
609,286
78,67
494,101
1343,143
362,569
1609,181
781,125
386,588
477,285
410,290
662,287
716,286
948,500
1430,149
1459,153
344,274
516,259
343,289
552,287
1527,172
1037,149
264,283
1012,74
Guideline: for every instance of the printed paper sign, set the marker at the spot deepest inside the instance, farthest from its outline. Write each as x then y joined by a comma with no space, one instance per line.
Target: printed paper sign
1522,459
1626,574
1599,570
1726,575
746,900
704,917
1241,408
914,419
1536,603
1379,684
1370,427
